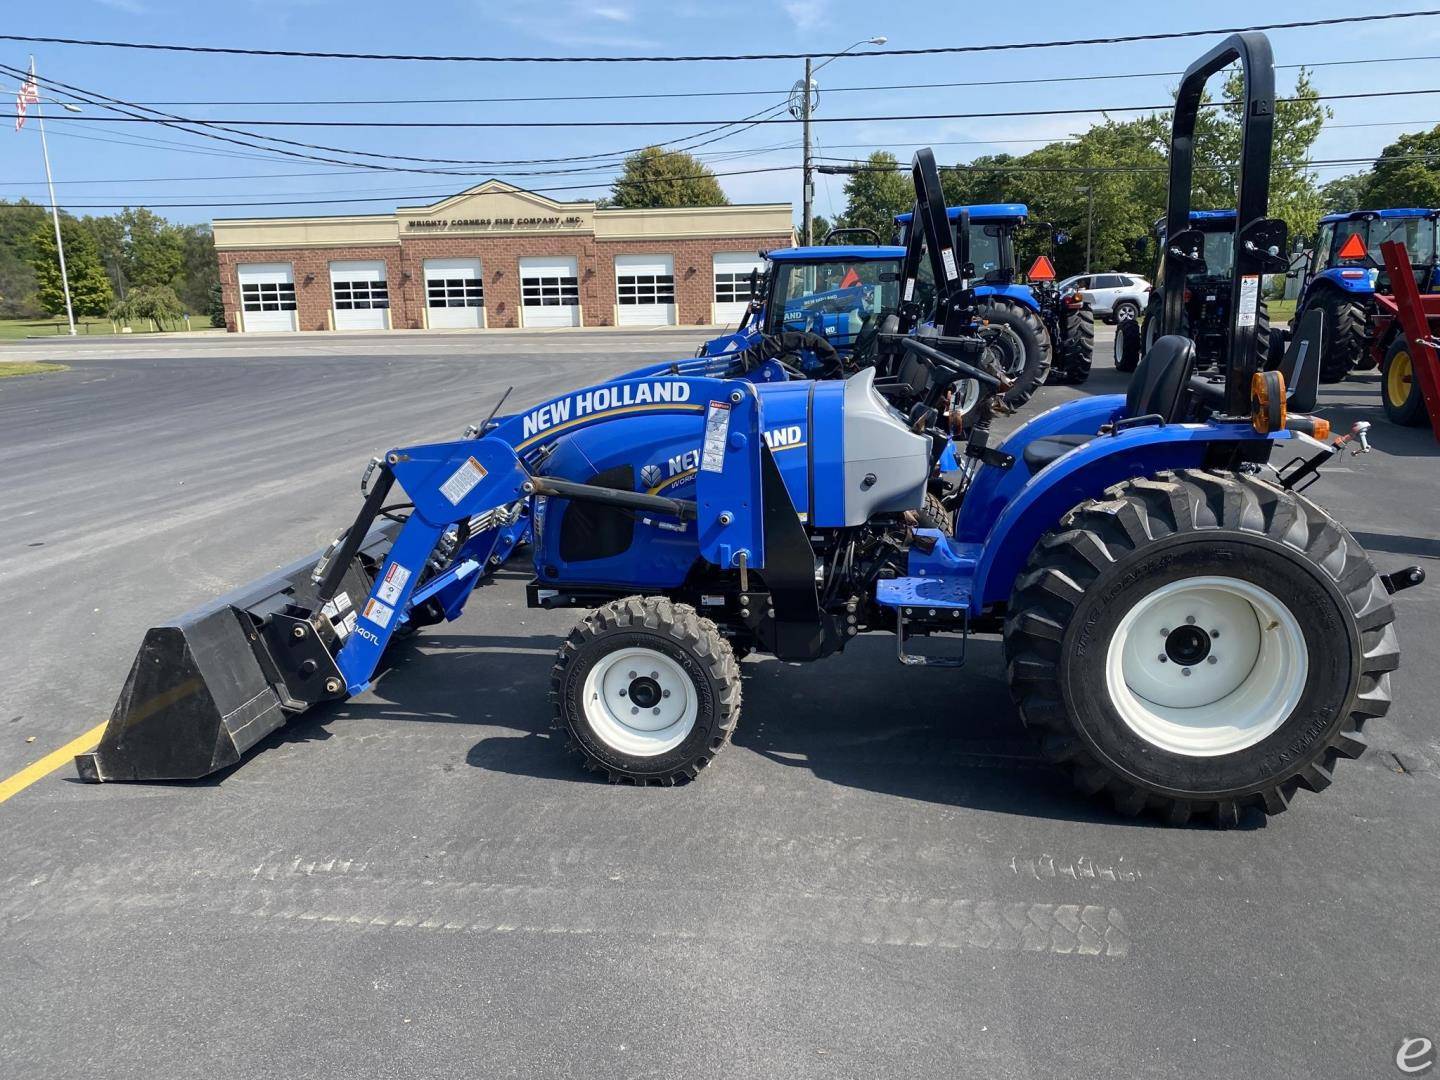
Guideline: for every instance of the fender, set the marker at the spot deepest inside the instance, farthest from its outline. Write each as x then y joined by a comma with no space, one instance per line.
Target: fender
1020,294
1083,474
1335,278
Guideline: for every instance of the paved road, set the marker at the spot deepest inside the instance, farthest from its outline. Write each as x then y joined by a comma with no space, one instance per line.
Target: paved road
878,879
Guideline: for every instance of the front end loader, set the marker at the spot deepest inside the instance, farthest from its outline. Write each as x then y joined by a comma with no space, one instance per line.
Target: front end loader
1185,631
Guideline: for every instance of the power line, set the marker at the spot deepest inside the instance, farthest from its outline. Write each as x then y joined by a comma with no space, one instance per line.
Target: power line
763,93
930,51
891,118
111,104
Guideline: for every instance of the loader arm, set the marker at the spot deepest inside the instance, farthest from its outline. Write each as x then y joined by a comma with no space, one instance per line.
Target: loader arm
208,686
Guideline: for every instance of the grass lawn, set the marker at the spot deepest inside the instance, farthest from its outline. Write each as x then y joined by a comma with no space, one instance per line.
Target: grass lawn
16,329
27,367
1281,311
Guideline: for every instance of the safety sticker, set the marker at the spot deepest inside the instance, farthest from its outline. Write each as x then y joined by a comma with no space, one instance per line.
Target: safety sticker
462,481
334,608
391,584
947,256
717,428
909,289
1249,299
377,612
346,626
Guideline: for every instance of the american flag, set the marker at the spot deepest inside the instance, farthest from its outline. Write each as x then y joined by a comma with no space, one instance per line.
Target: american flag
28,94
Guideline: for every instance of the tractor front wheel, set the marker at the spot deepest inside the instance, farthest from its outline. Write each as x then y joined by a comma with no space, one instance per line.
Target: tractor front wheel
1200,643
1128,344
1400,389
647,689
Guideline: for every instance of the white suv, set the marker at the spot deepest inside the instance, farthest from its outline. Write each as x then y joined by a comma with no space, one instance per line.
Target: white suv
1112,296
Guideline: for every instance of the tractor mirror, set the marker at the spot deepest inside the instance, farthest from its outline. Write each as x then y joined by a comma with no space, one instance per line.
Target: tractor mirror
1188,245
754,283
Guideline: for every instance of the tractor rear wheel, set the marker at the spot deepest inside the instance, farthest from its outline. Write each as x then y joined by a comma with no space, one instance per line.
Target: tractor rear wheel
1200,643
1344,341
1077,347
648,690
1400,389
1029,373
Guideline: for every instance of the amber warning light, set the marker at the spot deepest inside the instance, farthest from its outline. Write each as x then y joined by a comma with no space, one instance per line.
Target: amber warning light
1042,269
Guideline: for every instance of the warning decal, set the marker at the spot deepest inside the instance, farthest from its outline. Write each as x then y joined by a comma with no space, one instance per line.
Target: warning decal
391,584
947,256
717,427
378,613
462,481
1249,299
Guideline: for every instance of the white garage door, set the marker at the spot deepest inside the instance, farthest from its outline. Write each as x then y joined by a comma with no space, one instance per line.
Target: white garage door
549,292
361,295
267,296
732,284
645,290
454,294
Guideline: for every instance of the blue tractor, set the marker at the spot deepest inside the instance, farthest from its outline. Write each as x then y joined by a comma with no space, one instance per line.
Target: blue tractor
1345,271
1204,289
984,236
1184,631
817,307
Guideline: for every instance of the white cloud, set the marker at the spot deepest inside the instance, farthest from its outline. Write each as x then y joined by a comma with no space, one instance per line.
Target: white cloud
613,13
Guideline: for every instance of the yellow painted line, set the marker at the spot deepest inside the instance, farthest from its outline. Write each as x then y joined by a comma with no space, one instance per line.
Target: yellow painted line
38,770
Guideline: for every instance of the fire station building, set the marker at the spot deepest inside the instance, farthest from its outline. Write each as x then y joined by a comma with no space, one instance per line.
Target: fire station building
495,256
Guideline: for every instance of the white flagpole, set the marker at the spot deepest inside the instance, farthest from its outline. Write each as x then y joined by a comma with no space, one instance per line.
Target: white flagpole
54,210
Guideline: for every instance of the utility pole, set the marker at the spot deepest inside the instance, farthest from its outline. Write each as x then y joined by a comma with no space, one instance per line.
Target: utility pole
807,193
1089,222
54,210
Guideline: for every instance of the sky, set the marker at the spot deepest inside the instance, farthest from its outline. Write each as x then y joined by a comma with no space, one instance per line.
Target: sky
96,162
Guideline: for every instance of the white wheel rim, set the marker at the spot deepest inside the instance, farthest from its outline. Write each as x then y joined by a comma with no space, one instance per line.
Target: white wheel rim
969,391
639,702
1206,666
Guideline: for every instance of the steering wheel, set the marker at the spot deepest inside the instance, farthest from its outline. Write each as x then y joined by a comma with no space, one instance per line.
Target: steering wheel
788,343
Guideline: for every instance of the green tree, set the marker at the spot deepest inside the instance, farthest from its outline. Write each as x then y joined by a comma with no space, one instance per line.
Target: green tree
154,249
1345,193
156,303
215,305
819,227
89,287
109,234
1407,173
19,222
655,178
1294,195
875,194
199,270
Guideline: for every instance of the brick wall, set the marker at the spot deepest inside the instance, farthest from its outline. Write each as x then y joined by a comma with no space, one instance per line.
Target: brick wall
500,263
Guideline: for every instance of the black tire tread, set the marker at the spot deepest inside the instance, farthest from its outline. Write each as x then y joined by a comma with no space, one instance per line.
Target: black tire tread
1411,412
1097,533
687,628
1345,340
1005,312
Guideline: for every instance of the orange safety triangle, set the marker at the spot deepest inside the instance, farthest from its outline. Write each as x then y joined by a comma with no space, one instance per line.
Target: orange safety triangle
1353,248
1042,269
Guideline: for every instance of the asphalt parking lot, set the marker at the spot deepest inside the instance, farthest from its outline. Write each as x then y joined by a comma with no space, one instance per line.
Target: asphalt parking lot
880,878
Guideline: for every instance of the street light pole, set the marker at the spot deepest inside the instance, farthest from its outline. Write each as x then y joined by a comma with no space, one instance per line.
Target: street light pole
807,193
54,210
807,190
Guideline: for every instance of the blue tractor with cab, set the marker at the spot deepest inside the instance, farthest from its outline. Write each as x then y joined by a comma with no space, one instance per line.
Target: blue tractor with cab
1184,631
1345,271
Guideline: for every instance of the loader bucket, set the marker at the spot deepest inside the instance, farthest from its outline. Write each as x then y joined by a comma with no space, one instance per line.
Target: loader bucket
206,687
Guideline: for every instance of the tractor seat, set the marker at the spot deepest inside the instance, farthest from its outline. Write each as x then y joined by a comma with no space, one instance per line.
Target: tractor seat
1156,388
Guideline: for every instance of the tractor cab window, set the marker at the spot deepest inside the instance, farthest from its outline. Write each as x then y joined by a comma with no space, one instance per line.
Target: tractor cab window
1320,258
1417,234
834,298
1219,254
987,252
